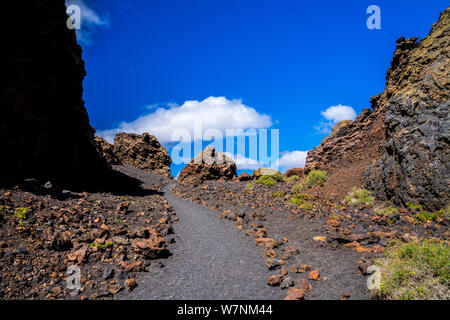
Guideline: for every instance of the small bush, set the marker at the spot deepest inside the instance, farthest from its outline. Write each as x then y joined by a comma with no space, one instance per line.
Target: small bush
414,207
315,178
386,211
359,197
278,194
296,188
291,179
266,180
424,216
415,270
249,186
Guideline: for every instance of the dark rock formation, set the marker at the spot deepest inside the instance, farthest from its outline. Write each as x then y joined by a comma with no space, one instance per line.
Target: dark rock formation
208,165
143,152
107,151
44,126
400,150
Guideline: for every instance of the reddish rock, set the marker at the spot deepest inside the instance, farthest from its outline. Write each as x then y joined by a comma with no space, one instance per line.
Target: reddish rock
304,285
274,280
301,268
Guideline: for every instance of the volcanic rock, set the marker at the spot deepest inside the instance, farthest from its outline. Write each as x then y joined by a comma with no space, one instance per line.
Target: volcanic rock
208,165
143,152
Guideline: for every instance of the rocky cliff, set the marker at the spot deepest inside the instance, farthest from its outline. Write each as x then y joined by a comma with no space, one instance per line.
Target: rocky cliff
143,152
44,126
400,148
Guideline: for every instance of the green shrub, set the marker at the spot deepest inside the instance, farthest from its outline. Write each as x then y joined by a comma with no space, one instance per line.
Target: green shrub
249,186
423,216
296,188
315,178
101,246
20,213
359,197
386,211
304,201
415,270
266,180
278,194
291,179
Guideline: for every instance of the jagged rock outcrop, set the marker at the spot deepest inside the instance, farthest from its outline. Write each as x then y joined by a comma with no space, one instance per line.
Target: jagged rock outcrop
208,165
400,150
44,126
107,151
299,172
143,152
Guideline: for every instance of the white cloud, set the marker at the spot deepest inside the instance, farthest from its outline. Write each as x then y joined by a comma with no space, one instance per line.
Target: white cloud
212,113
292,159
335,114
90,20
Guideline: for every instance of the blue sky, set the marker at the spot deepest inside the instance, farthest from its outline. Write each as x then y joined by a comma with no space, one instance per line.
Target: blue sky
265,64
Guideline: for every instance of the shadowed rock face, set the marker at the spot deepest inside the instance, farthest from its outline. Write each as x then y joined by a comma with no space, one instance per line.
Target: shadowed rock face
400,150
208,165
143,152
44,126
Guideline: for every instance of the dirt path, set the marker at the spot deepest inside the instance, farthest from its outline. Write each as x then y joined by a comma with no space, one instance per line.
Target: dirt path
211,259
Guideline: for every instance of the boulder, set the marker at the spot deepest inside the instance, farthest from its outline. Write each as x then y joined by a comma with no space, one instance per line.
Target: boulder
143,152
208,165
245,177
44,125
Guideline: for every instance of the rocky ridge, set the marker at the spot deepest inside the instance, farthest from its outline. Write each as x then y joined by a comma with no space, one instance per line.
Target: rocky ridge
400,148
208,165
140,151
